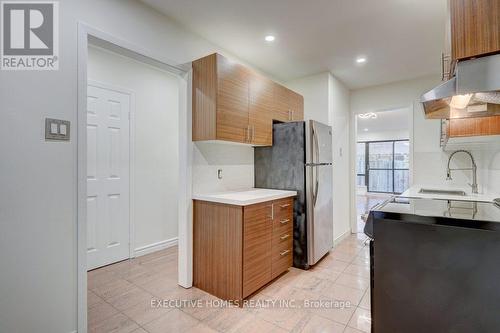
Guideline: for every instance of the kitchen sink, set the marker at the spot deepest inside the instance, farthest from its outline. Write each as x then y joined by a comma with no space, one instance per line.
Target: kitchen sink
442,192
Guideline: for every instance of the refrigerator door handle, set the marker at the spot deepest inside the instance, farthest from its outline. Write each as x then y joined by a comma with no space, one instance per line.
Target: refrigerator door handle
315,167
316,190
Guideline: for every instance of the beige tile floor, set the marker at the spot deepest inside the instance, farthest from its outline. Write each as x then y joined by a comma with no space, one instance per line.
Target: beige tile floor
121,295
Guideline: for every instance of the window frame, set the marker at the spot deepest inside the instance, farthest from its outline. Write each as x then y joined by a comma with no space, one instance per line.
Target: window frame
393,169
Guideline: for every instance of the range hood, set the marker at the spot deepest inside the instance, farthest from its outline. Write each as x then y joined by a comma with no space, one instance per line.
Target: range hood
474,91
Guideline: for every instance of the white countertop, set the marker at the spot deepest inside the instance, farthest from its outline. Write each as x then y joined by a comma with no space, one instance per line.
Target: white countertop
245,197
413,192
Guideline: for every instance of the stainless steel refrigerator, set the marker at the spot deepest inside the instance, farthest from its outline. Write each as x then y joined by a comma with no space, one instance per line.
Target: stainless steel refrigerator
301,160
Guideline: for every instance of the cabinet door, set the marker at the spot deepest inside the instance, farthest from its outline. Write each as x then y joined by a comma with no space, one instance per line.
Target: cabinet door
257,233
475,28
296,106
232,101
282,110
260,111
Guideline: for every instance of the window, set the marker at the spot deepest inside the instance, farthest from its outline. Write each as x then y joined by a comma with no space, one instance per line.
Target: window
383,166
361,164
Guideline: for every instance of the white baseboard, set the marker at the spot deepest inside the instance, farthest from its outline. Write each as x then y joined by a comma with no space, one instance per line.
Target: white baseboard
339,239
150,248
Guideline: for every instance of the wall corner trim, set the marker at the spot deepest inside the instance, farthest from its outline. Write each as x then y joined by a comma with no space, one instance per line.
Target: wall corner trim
150,248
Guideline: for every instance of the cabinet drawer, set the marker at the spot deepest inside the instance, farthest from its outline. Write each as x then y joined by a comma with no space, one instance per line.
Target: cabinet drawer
282,259
282,241
283,209
281,225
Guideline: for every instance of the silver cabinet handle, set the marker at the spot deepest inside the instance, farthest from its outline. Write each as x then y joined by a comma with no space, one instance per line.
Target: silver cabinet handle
247,139
284,206
253,133
272,212
285,236
285,221
284,253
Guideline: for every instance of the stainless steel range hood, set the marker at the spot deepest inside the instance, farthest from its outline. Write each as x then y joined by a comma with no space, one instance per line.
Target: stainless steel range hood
473,92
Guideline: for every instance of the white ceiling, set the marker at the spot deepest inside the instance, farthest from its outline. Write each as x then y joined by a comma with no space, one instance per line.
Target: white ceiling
391,120
402,39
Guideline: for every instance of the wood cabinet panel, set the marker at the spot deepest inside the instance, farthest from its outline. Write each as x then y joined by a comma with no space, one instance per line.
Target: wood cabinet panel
475,28
260,115
281,110
205,98
258,227
282,259
283,224
299,115
296,106
232,101
217,249
283,208
462,127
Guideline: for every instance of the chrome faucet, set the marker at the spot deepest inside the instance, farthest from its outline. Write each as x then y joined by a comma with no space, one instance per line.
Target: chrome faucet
473,169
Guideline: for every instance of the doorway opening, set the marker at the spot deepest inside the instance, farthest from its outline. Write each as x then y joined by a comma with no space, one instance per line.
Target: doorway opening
132,199
132,184
382,158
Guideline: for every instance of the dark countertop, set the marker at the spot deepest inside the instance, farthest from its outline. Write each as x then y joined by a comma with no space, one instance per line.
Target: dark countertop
466,214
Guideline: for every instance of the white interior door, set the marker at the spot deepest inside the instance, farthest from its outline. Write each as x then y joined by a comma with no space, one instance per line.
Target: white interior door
108,220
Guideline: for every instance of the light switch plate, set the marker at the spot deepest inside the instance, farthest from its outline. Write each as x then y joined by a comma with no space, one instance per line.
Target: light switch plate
56,130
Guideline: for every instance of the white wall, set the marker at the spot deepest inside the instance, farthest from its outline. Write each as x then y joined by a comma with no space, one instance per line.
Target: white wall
316,94
382,135
156,142
235,161
38,187
340,117
326,100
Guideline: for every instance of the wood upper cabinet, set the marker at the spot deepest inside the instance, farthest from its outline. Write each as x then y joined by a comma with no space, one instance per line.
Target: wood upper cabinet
475,28
233,103
220,100
297,106
281,110
260,117
288,106
466,127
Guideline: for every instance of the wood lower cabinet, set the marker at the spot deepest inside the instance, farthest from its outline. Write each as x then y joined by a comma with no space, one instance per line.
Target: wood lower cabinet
238,250
218,249
233,103
475,28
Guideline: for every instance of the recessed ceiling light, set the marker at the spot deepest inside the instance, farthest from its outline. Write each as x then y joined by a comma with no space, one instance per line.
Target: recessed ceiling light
361,60
270,38
366,130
